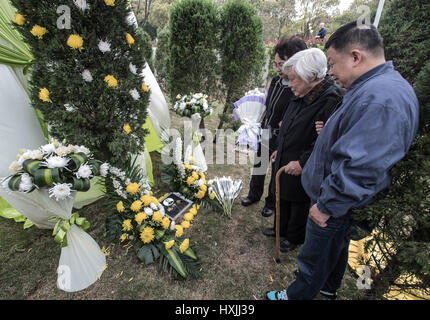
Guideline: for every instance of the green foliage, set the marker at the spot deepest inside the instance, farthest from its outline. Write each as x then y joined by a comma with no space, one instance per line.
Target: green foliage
406,31
192,45
147,47
161,56
241,50
99,112
402,214
271,49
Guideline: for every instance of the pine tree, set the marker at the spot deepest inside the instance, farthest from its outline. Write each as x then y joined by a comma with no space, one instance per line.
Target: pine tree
86,75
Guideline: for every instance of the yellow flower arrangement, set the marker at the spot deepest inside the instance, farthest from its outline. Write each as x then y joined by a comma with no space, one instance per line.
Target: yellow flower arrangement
165,223
110,2
140,217
195,175
111,81
193,210
146,200
145,87
185,224
123,237
187,166
184,245
120,207
157,217
190,180
126,225
212,195
130,39
169,244
200,194
44,95
126,128
19,19
147,235
75,41
38,31
136,206
132,188
203,187
179,230
188,216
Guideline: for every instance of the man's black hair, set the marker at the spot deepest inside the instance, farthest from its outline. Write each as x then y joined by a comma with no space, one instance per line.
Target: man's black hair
287,47
363,36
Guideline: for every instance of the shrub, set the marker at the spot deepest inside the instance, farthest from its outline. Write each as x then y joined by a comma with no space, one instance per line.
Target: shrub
161,56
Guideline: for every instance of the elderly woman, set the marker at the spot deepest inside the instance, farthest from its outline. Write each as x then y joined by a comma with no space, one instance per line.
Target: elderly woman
316,97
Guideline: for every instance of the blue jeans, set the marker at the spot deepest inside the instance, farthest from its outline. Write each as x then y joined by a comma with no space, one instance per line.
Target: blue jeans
322,259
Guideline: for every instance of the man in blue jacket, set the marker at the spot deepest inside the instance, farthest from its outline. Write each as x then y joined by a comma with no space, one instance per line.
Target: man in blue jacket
352,157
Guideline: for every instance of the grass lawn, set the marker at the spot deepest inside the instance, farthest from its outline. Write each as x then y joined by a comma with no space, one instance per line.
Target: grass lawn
237,259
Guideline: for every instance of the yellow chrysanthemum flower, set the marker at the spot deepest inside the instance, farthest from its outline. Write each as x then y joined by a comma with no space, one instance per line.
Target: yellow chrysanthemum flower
44,95
126,128
110,2
212,195
19,19
154,200
179,230
200,194
192,159
123,237
188,216
146,200
195,175
157,217
38,31
202,175
165,223
120,207
193,211
111,81
169,244
203,187
184,245
190,180
147,235
140,217
130,39
75,41
187,166
132,188
126,225
145,87
136,206
185,224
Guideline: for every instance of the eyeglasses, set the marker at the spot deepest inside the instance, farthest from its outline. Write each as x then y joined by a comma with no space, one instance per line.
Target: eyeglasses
278,65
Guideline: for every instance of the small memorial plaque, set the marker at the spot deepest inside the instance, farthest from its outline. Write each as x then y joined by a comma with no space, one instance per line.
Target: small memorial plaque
175,205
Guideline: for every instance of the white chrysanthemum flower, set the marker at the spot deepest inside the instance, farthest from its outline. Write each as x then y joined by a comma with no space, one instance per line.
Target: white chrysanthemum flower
81,4
104,46
83,149
26,183
63,151
14,167
87,76
69,108
131,19
56,162
104,168
172,225
25,156
134,94
48,148
116,184
84,172
60,191
205,105
133,68
148,211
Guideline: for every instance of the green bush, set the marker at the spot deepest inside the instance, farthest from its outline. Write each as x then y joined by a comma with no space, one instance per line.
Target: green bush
161,56
81,107
147,47
242,51
192,47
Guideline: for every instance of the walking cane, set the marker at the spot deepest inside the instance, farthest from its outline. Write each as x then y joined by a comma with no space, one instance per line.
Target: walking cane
278,213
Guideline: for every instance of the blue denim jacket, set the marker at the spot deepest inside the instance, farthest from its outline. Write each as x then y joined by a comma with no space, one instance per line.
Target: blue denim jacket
371,131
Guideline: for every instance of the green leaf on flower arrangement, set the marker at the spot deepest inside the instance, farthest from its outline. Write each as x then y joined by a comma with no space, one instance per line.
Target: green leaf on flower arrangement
28,224
176,262
155,252
189,252
192,266
167,176
145,254
113,229
159,234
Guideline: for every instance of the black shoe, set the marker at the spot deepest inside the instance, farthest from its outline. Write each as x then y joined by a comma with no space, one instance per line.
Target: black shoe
269,232
267,212
287,246
329,295
247,202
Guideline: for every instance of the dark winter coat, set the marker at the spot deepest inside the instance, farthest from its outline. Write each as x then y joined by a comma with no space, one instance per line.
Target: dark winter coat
297,133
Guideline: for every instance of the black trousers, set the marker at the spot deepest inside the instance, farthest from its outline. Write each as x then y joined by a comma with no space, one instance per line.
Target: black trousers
256,185
293,218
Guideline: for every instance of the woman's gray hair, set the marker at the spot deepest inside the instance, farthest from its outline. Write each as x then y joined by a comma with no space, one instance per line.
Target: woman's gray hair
307,64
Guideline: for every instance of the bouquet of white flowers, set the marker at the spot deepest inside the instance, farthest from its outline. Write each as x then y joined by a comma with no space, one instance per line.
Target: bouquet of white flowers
188,105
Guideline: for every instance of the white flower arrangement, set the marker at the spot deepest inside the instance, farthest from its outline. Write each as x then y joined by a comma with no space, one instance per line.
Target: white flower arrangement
81,4
133,68
87,76
256,92
134,94
104,46
188,105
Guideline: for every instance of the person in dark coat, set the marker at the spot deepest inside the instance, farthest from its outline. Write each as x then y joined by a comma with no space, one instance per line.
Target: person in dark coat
277,100
316,98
